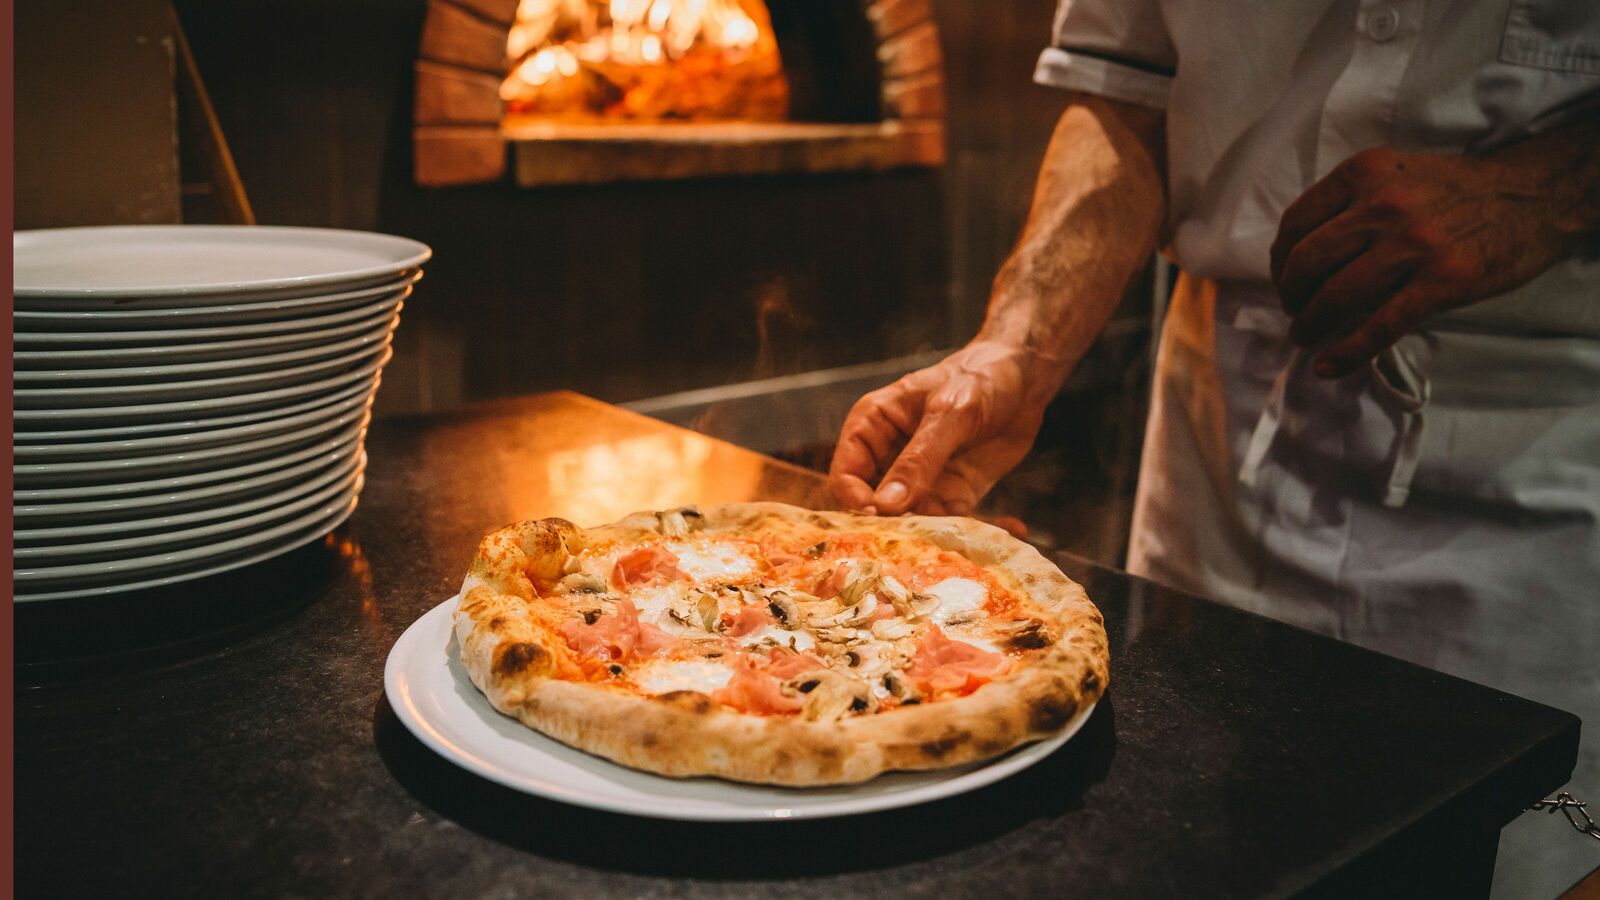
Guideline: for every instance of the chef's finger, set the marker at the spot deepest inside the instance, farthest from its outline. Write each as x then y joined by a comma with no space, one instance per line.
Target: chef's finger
872,436
1393,321
1321,202
944,428
1317,257
851,491
1346,298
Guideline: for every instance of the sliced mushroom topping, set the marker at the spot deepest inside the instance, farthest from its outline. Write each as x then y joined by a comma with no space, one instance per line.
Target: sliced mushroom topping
709,611
571,565
901,687
862,579
1025,634
836,635
582,583
831,695
907,602
783,608
891,629
672,524
855,614
677,523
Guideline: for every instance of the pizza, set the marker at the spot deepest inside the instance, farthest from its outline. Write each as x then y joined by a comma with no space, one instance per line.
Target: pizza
765,643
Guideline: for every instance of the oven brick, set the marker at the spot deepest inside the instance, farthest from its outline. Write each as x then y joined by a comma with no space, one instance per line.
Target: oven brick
458,154
450,94
452,35
911,53
914,97
502,11
891,17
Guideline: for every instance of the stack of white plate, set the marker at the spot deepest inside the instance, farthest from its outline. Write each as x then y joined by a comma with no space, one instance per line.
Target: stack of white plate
191,399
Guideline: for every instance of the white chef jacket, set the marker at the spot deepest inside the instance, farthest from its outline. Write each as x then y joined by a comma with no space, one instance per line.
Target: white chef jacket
1442,505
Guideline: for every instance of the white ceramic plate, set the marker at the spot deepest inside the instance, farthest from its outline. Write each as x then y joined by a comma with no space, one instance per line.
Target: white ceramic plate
54,398
336,390
433,696
205,351
100,265
127,449
78,553
139,377
26,419
197,565
166,337
163,465
284,314
106,491
203,499
79,532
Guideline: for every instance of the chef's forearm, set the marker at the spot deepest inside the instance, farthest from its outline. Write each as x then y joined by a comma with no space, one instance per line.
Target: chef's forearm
1097,209
1562,167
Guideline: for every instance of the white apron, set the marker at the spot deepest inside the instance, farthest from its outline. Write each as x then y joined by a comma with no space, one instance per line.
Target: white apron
1441,506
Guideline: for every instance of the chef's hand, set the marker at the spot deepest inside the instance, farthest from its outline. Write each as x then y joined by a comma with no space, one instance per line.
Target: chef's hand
935,441
1389,238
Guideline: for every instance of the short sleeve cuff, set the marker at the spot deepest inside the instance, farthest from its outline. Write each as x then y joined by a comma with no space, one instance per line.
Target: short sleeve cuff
1102,77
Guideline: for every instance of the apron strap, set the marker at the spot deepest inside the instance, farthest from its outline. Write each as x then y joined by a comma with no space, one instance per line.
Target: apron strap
1267,426
1400,385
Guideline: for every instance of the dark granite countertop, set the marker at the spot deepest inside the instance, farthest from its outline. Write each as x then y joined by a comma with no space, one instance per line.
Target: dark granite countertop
232,738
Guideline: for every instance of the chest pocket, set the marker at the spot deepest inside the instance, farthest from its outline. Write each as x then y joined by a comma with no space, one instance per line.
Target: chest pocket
1557,35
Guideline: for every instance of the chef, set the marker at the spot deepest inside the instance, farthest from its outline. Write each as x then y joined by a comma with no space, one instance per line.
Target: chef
1376,409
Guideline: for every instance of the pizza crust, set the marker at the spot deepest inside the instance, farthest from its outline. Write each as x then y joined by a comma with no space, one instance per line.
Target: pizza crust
511,653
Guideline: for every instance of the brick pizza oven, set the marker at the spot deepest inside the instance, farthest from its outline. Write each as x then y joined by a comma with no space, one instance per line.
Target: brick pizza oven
864,81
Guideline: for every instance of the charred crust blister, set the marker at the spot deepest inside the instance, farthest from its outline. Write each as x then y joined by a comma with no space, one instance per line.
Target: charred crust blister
1051,714
514,659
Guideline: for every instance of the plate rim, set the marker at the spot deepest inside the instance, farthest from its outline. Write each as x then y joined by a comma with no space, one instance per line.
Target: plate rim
200,439
412,644
417,253
112,490
319,480
318,336
302,538
63,341
241,403
128,468
139,545
72,378
358,385
106,321
134,565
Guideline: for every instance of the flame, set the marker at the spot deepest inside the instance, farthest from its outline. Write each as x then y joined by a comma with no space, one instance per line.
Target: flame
644,59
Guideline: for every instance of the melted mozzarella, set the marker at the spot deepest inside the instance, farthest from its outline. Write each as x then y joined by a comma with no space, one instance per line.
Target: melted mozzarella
795,640
956,595
708,560
977,642
654,601
691,675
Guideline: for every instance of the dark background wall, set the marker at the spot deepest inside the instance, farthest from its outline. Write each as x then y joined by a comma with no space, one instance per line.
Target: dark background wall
635,290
